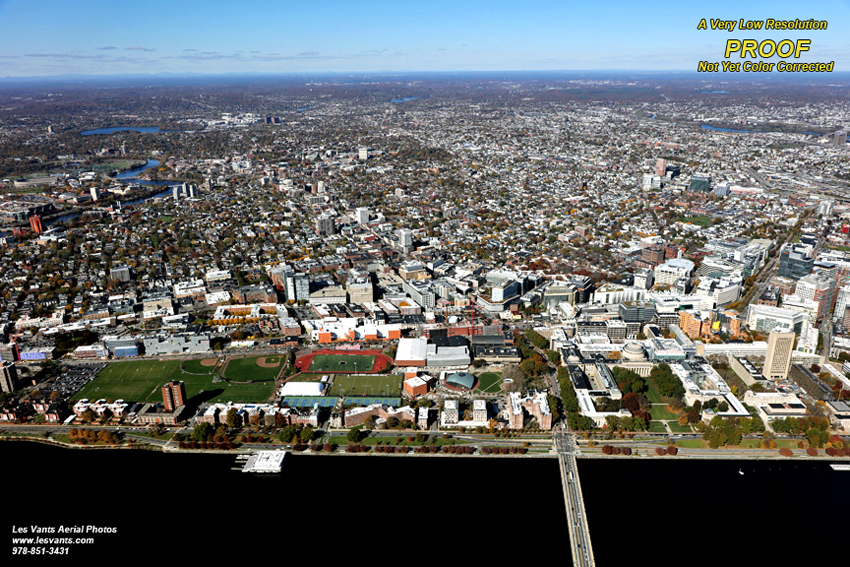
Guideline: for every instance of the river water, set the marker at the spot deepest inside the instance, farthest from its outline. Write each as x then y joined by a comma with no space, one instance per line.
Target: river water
129,176
719,129
429,509
112,130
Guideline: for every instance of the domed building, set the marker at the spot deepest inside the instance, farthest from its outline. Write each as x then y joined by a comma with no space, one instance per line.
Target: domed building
633,352
461,380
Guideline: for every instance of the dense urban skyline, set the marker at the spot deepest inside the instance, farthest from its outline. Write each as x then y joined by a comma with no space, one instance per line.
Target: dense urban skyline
100,38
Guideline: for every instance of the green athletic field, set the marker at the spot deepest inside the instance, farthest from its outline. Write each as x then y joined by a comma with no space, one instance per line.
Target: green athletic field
489,383
195,367
141,380
376,385
244,369
342,363
132,381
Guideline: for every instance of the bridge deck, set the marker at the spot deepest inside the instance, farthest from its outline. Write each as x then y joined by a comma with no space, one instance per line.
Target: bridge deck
582,550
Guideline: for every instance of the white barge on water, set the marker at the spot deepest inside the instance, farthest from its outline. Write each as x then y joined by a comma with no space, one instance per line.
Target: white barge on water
265,462
840,466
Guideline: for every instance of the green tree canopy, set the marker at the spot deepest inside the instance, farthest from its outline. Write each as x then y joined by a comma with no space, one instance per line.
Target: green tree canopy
354,435
203,431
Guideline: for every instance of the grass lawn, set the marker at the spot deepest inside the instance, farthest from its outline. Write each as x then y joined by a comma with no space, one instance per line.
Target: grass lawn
166,436
113,165
692,443
309,377
701,220
676,428
343,440
490,383
745,444
133,381
244,369
662,412
656,427
780,443
377,385
227,392
652,394
195,367
141,380
342,363
394,441
34,434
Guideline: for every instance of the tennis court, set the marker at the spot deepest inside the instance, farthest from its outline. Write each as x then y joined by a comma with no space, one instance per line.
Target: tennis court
309,401
369,400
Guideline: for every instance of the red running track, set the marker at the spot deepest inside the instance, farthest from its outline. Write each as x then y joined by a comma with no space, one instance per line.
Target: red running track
382,361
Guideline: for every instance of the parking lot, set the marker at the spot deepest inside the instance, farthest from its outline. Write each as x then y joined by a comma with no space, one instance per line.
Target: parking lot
72,379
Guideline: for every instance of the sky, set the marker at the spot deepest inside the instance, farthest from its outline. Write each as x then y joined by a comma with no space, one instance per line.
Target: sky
95,37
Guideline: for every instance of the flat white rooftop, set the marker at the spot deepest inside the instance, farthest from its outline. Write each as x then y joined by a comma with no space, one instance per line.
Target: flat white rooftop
265,462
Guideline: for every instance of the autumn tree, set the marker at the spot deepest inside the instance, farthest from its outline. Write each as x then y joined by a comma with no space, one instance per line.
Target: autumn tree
234,419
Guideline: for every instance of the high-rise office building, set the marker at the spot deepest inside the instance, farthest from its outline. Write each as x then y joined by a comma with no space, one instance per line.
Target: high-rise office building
661,167
817,287
8,377
362,214
672,270
173,395
777,363
765,318
584,286
405,239
796,261
700,184
325,225
297,286
636,311
9,352
842,301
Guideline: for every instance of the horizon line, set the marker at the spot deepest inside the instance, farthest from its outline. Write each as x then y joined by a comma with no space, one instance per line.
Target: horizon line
265,74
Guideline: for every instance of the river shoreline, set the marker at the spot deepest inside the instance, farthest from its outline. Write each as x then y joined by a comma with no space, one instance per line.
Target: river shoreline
142,446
